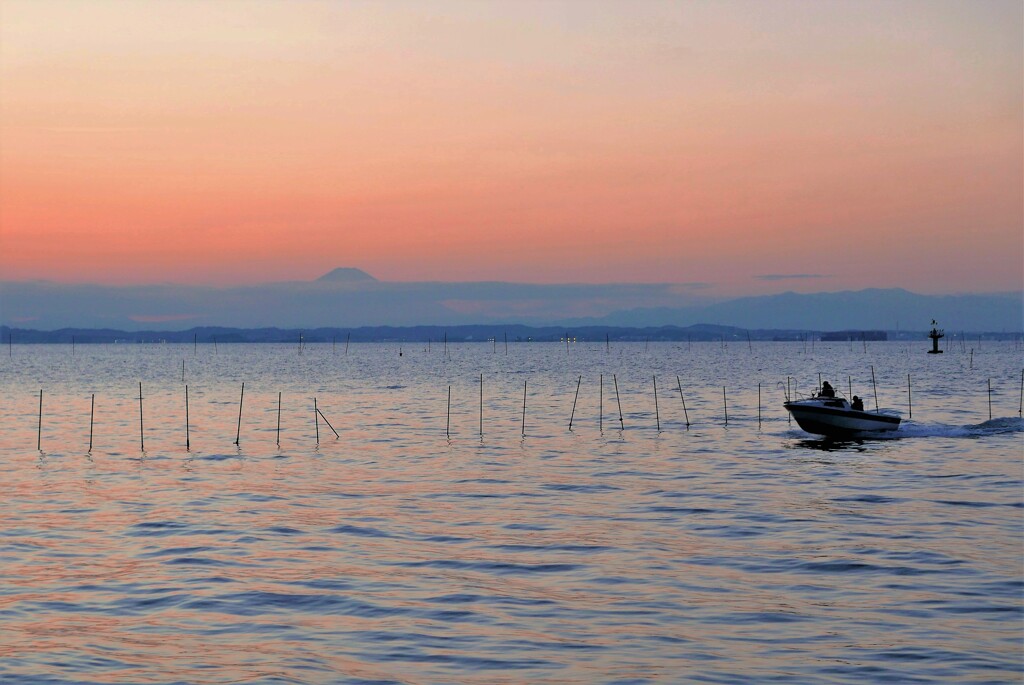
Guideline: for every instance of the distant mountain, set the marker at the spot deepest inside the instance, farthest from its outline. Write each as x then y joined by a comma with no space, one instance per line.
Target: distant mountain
346,274
349,297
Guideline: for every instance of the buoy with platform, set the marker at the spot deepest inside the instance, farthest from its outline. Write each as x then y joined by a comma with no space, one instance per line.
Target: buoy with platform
935,335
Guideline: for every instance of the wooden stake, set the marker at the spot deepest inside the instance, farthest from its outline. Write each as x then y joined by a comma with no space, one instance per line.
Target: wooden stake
615,380
92,411
989,399
874,388
524,408
278,418
39,429
142,432
657,414
910,401
1020,407
348,337
683,399
328,423
725,405
241,397
316,421
481,405
758,405
448,420
188,445
600,404
182,370
580,380
506,343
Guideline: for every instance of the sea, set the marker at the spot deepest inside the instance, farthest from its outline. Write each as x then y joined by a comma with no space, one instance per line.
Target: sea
536,512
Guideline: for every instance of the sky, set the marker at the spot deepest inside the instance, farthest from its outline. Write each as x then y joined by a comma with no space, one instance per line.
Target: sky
749,147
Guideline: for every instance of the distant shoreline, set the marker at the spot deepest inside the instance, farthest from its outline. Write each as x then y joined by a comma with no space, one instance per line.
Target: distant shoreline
483,333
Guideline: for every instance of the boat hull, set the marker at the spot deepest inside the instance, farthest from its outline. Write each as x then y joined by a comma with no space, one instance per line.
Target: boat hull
839,421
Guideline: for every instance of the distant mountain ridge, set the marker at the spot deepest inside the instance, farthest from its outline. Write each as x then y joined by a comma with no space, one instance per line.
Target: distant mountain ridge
350,297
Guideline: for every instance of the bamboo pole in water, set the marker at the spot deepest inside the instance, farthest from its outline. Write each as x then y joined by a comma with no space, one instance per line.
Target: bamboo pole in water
524,408
574,399
874,388
448,419
328,423
686,414
92,411
758,405
600,404
615,380
316,421
39,428
657,414
142,434
278,418
725,406
188,445
481,405
238,433
989,399
910,401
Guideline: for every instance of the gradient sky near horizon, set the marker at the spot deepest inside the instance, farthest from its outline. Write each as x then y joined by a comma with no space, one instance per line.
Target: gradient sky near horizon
754,146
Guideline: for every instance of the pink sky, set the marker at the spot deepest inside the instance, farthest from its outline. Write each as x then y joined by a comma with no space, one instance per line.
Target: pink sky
873,144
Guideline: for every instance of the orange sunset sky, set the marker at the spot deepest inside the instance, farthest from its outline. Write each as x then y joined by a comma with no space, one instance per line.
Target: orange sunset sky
859,144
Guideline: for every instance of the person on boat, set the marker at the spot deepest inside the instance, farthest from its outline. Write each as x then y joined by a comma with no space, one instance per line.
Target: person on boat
857,403
827,390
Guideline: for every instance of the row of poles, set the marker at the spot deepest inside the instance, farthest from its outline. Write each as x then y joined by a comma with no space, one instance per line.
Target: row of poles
318,414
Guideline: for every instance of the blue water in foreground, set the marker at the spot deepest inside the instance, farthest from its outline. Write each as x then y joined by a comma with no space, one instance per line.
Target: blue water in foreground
745,551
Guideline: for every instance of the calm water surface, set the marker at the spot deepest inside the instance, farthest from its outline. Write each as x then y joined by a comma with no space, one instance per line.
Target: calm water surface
745,551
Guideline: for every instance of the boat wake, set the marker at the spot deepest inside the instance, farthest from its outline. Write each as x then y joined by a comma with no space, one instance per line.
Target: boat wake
998,426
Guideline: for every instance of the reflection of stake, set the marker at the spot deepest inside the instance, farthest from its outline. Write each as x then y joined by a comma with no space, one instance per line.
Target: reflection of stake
622,426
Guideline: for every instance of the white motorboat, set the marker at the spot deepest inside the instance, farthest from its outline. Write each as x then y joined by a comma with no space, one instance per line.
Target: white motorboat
835,418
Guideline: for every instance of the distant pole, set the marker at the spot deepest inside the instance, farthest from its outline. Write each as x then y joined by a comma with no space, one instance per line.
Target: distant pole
481,405
759,405
348,336
448,419
750,347
195,344
316,421
679,384
446,344
725,406
215,344
849,381
506,343
615,380
182,370
39,429
10,345
989,399
188,444
72,346
300,342
910,401
241,397
819,382
278,418
580,380
789,398
607,343
972,357
494,345
142,433
1020,407
646,340
567,343
334,344
874,388
600,404
524,408
92,411
657,414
